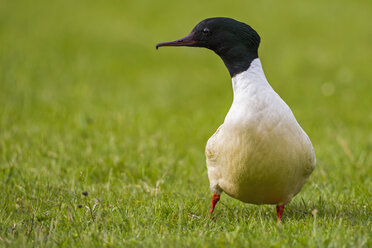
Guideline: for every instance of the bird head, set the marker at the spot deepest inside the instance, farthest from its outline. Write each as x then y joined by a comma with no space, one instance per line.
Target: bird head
219,34
235,42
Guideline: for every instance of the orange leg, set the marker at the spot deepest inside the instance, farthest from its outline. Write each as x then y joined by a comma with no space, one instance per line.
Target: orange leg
215,199
279,212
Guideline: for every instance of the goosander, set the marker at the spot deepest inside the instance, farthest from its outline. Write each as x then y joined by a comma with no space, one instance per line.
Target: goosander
260,154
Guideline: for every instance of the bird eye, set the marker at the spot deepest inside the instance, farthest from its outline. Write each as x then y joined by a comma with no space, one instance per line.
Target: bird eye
206,31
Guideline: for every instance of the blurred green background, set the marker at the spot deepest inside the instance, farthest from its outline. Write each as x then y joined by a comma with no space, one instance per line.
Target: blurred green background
87,103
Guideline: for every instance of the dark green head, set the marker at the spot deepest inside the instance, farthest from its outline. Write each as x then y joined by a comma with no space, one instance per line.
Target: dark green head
235,42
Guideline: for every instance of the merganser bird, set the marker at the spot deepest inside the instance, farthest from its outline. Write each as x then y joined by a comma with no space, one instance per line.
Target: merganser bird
260,154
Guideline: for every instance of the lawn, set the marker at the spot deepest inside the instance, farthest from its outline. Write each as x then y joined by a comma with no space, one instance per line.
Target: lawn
88,105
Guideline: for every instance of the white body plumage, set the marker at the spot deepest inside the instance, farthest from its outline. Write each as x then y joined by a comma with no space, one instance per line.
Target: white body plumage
260,154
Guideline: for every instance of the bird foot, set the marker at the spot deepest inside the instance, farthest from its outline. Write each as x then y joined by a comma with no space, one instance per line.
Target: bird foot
215,199
279,212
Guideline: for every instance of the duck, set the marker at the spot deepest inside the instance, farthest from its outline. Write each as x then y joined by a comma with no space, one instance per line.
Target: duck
260,154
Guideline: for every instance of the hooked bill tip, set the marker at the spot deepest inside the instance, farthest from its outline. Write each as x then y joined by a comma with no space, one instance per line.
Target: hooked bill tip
161,44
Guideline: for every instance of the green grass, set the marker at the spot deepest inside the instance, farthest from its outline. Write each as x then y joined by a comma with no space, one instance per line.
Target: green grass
88,104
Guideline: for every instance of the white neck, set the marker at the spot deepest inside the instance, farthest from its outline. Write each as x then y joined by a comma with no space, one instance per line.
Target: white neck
250,81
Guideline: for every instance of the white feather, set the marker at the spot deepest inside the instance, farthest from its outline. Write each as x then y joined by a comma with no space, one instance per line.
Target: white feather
260,154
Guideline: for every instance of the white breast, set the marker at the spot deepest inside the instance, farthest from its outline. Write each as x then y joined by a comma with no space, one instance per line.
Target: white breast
260,154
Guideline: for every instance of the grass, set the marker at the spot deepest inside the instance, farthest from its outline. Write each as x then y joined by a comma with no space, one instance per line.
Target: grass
88,105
